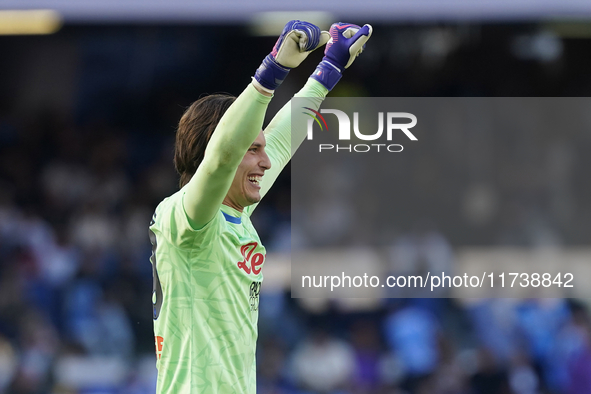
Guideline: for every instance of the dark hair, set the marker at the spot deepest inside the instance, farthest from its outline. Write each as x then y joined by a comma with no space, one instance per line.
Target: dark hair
194,132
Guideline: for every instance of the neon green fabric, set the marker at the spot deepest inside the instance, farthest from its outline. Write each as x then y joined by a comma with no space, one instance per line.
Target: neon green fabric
210,280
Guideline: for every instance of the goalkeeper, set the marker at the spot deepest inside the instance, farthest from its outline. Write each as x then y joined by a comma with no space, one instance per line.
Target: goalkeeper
207,258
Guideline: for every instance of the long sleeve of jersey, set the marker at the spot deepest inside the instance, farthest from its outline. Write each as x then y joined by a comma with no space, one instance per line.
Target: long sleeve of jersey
234,134
281,144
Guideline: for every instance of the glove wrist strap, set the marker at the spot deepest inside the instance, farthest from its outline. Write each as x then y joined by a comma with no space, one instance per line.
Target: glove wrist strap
270,74
327,74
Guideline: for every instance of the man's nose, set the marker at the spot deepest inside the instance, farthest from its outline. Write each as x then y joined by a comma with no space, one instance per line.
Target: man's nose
265,161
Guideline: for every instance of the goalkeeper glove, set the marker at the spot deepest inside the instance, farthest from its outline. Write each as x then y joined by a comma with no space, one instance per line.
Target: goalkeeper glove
295,43
347,41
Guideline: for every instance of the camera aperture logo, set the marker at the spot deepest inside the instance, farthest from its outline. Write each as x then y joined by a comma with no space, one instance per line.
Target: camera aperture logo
392,121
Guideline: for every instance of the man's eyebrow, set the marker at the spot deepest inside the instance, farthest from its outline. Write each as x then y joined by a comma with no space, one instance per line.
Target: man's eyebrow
256,145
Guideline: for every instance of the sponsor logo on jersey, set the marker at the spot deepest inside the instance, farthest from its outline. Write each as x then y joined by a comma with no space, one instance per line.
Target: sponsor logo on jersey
252,262
255,289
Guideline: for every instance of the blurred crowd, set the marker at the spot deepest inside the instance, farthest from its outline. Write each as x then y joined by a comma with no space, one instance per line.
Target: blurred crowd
77,190
74,269
434,346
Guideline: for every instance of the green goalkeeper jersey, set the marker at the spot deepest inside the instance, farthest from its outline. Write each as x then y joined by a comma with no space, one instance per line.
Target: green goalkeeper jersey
207,278
206,301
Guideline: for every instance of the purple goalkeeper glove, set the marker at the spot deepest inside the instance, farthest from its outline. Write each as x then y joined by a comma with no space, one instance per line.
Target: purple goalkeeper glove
347,41
295,43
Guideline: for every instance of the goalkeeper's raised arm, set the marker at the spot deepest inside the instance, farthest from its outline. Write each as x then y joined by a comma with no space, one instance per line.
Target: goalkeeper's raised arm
346,42
212,141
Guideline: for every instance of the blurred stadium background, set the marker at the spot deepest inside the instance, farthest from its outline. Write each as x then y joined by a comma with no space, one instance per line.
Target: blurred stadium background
88,108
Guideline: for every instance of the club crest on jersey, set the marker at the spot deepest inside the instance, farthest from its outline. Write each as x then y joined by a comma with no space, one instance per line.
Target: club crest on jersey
252,262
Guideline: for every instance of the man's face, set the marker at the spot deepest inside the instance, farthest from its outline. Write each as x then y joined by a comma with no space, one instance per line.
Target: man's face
245,188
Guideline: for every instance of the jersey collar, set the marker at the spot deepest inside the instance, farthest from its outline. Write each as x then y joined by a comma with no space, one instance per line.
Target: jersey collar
231,215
